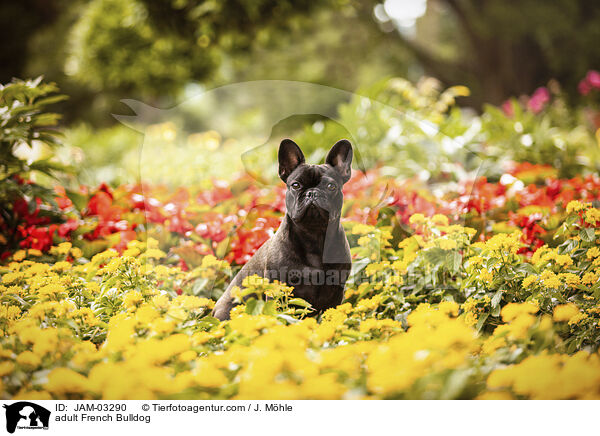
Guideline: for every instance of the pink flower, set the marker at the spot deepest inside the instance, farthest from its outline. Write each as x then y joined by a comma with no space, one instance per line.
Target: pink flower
538,100
584,87
593,79
507,108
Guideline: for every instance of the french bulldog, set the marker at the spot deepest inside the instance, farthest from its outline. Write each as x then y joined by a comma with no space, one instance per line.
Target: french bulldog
309,251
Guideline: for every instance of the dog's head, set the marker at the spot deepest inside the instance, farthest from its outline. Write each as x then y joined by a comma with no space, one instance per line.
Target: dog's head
314,192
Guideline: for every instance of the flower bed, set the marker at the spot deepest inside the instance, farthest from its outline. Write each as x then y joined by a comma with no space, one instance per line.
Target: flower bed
488,291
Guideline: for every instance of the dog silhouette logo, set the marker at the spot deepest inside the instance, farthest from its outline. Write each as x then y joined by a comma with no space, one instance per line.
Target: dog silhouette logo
26,415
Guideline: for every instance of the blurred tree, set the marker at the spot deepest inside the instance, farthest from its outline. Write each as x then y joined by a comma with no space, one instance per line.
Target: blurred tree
498,48
508,47
344,50
101,50
155,46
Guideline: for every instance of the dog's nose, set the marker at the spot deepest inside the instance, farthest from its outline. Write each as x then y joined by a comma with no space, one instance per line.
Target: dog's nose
311,194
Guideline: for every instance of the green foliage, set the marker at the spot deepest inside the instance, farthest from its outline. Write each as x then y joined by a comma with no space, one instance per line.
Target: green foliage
416,130
25,126
555,137
115,47
109,155
156,47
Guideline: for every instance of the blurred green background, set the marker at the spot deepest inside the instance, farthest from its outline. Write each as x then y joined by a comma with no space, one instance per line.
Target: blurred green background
162,51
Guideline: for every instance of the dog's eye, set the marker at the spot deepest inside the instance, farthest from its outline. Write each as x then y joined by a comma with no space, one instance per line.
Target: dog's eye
331,186
295,185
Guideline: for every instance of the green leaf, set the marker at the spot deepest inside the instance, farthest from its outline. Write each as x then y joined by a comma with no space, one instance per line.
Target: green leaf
221,249
270,308
208,322
568,246
527,268
358,266
435,256
481,321
250,305
455,384
80,201
587,235
455,261
199,285
497,298
254,306
571,219
299,302
288,319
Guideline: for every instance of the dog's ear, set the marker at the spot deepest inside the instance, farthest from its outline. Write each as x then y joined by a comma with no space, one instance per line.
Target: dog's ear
290,156
340,158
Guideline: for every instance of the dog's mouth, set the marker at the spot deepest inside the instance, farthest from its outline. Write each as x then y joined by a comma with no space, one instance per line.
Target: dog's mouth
313,213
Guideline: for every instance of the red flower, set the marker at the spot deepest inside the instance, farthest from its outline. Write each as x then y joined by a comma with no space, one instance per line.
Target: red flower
39,238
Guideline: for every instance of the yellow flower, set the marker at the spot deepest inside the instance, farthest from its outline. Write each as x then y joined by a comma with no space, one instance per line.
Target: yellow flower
187,356
61,266
132,299
550,279
104,256
64,380
363,241
565,312
76,252
592,216
503,243
475,260
486,276
513,310
207,375
11,277
575,206
570,278
362,229
28,358
564,260
492,344
448,307
32,396
447,244
417,218
154,253
161,301
162,325
146,314
592,253
9,312
491,395
64,247
440,220
133,252
529,281
471,319
19,255
6,368
590,278
579,317
201,338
